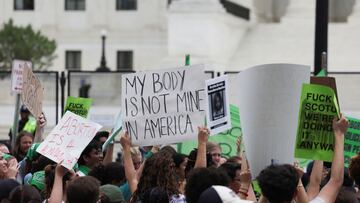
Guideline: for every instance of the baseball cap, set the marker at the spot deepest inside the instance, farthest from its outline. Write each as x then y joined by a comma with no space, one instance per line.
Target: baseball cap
112,192
24,109
220,194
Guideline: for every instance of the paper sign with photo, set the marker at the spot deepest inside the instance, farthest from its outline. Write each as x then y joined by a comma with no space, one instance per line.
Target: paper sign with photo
218,111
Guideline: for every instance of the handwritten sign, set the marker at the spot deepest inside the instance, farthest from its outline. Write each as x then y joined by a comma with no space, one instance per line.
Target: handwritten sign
164,106
68,139
32,92
218,111
17,75
315,136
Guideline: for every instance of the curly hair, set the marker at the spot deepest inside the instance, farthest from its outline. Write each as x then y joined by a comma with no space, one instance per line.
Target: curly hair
158,171
278,182
354,168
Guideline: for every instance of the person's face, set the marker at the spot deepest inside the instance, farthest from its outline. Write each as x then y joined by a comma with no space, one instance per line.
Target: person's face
25,143
216,156
183,164
24,115
94,158
235,183
137,160
3,166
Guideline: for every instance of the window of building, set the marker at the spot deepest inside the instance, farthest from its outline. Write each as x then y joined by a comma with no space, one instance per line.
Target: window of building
75,5
24,4
126,4
73,60
124,60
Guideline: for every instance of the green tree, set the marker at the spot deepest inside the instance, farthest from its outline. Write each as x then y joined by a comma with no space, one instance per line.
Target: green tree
26,44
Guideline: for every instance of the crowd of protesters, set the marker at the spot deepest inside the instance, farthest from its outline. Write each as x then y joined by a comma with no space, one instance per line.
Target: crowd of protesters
159,174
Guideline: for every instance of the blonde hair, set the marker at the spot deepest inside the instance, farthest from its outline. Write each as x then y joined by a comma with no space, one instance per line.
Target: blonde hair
210,146
135,151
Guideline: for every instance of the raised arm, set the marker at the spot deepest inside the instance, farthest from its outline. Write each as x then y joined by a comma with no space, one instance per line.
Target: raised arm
203,137
109,154
57,189
329,192
315,179
130,171
40,125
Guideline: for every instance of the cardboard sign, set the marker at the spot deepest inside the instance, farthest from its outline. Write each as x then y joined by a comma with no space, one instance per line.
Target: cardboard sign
68,139
315,136
352,139
164,106
32,92
17,75
268,99
78,105
226,139
218,111
116,130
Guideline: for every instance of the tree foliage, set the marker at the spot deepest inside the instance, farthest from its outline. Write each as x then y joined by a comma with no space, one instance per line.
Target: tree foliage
26,44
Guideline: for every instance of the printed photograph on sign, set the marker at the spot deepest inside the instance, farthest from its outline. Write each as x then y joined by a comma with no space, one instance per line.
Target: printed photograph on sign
218,104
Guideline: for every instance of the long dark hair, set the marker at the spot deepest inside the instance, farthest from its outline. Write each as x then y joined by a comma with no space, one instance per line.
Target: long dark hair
158,172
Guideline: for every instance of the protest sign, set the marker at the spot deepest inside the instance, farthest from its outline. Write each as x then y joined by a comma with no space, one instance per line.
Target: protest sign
68,139
226,139
78,105
315,137
217,98
164,106
16,75
116,130
352,139
32,92
268,96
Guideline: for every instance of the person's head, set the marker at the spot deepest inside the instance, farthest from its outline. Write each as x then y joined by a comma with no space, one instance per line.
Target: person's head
83,189
156,195
25,194
50,178
111,194
278,183
346,195
3,167
24,113
354,168
234,159
92,155
215,151
136,157
202,178
233,170
115,173
22,144
101,136
168,149
158,171
4,149
7,186
218,101
219,194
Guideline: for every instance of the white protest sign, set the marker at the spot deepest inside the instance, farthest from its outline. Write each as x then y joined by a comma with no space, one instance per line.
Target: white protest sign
269,99
16,75
218,111
163,106
68,139
32,92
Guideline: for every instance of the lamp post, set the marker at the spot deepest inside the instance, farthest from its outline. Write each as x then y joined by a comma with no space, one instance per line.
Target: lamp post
103,67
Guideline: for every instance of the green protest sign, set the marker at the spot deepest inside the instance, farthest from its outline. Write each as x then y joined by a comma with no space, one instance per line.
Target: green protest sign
78,105
352,139
315,137
115,131
227,139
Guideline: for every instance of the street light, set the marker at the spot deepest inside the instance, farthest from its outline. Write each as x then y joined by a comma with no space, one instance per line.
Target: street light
103,67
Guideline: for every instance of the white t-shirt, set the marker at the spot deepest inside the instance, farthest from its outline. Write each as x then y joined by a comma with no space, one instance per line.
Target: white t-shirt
317,200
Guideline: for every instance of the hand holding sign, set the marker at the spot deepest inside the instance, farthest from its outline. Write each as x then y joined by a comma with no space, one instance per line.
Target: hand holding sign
125,141
340,126
203,135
